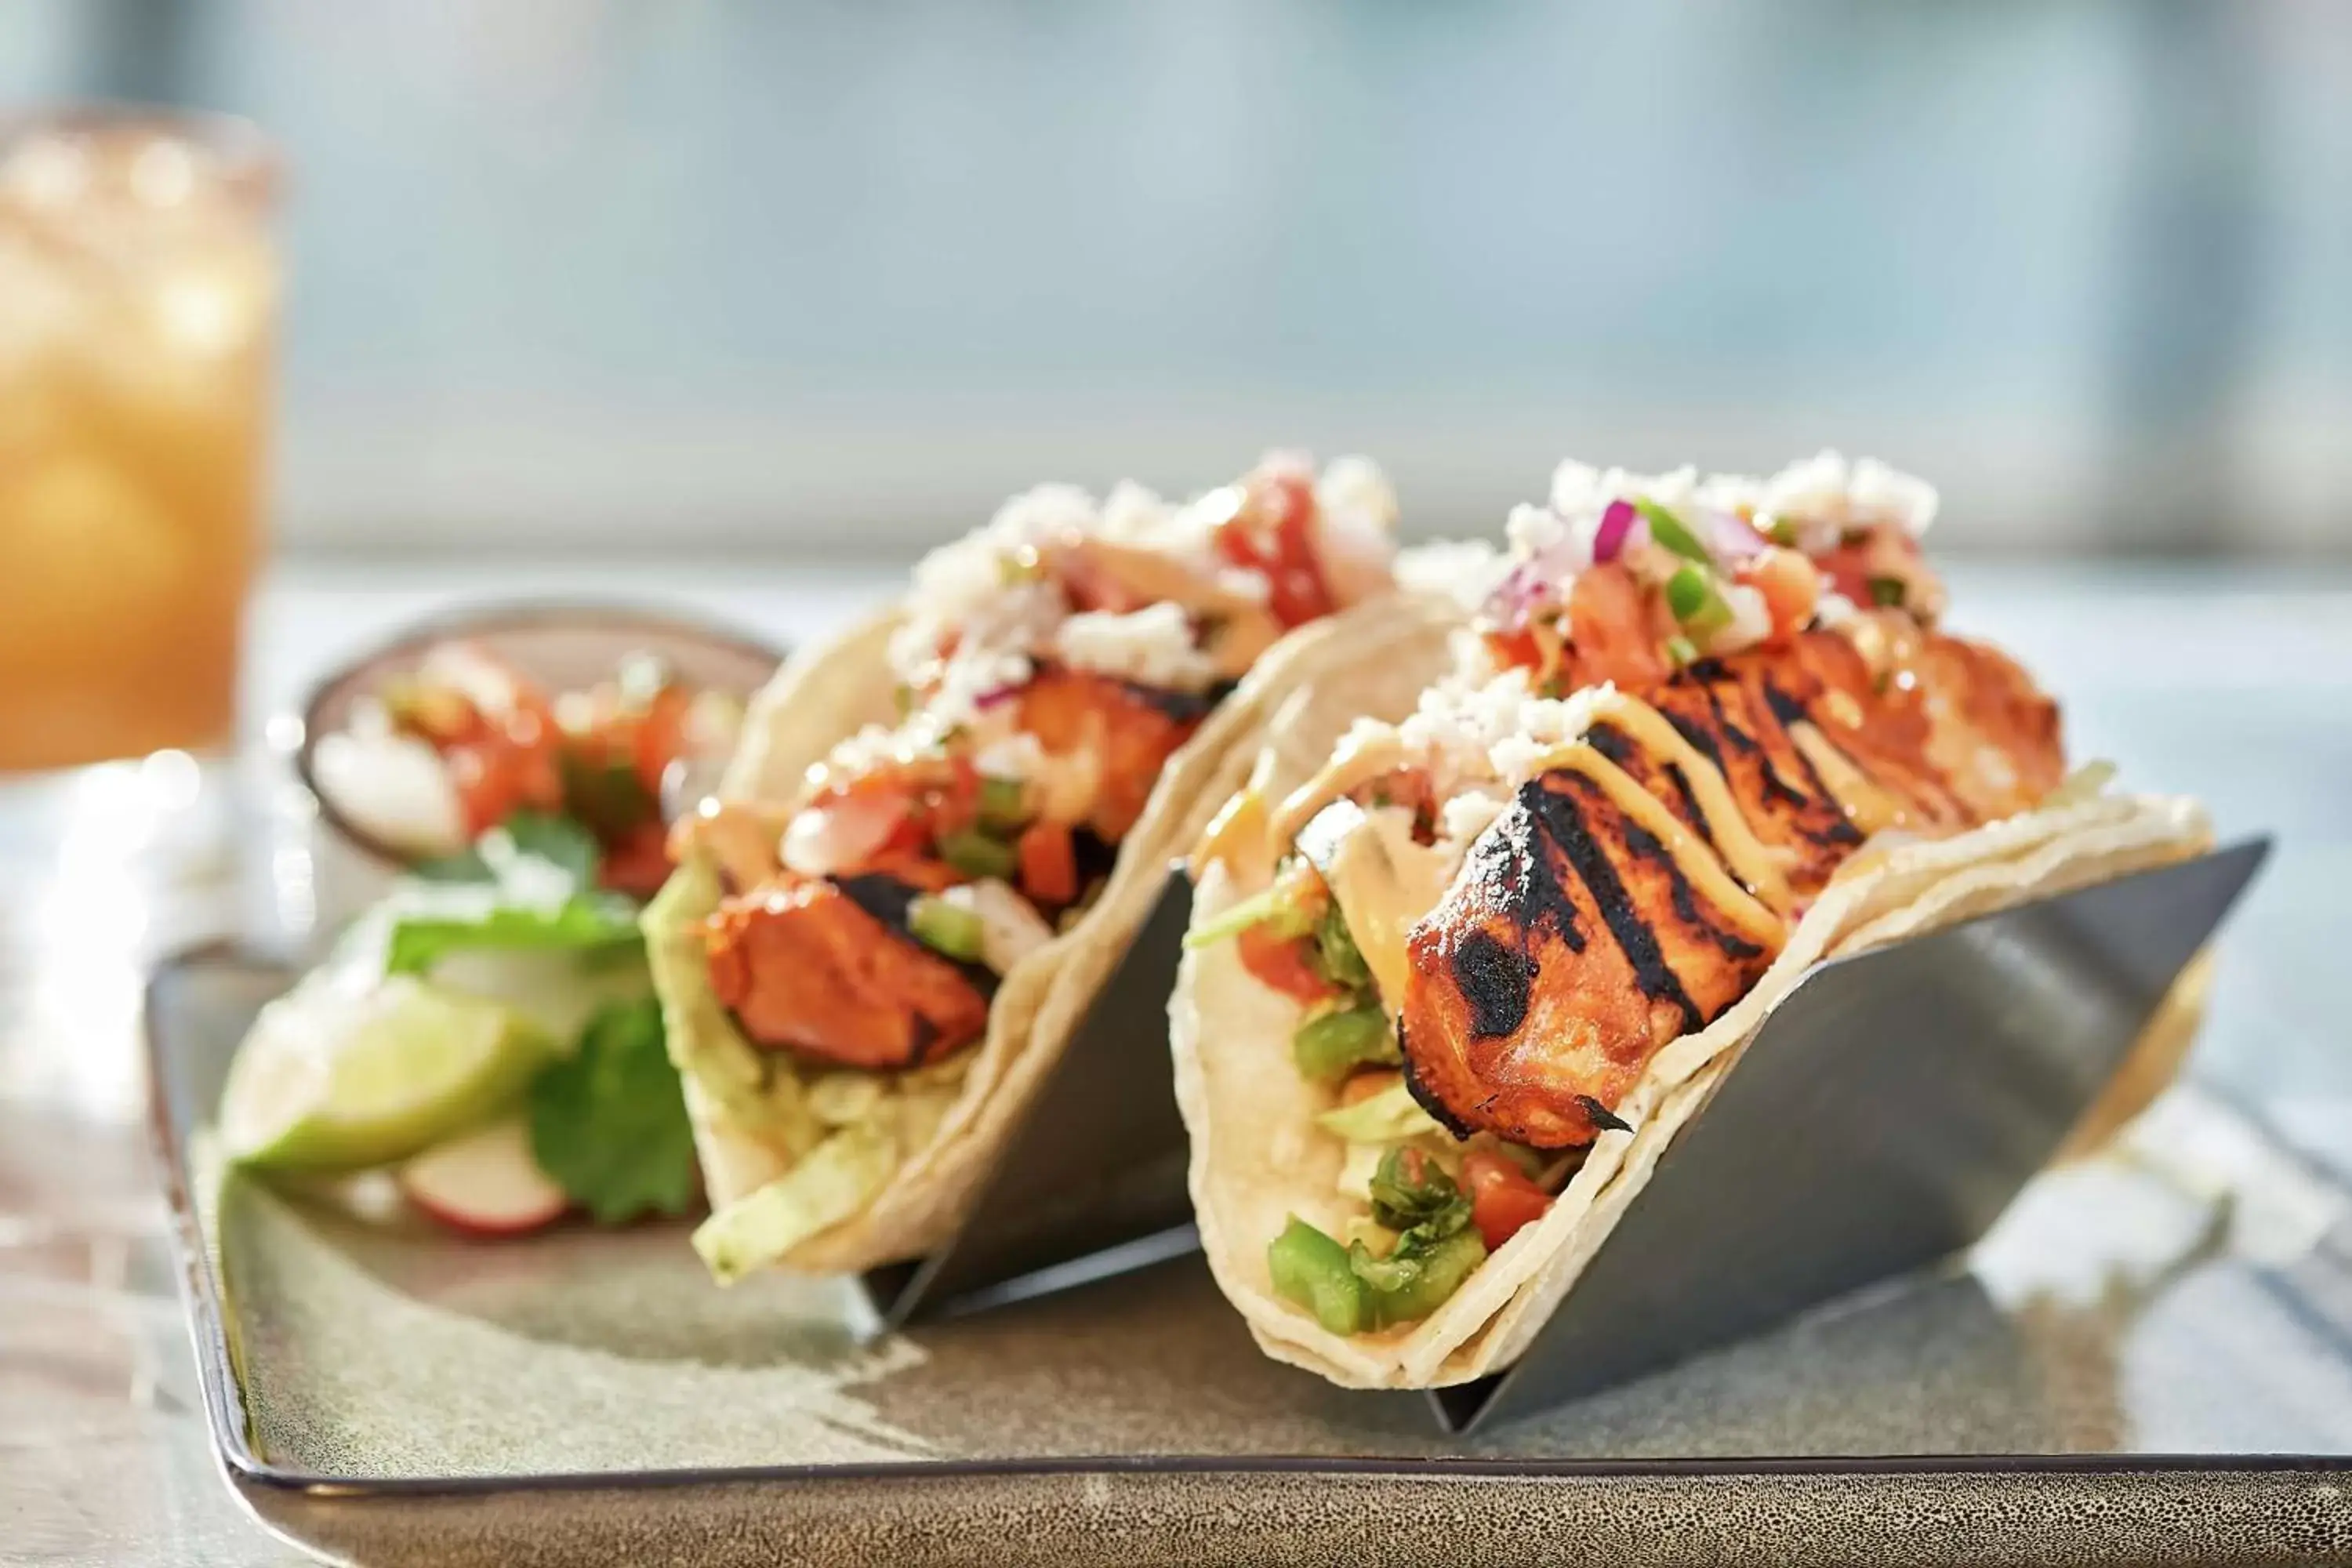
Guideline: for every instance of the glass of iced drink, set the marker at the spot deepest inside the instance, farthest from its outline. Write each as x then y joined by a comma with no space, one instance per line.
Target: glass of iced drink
138,282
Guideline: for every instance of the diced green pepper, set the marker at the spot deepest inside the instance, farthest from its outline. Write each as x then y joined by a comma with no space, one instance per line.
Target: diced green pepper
1351,1289
1313,1270
1783,531
1887,593
1426,1279
946,927
975,854
1668,531
1691,596
1329,1045
1336,954
1004,806
1681,651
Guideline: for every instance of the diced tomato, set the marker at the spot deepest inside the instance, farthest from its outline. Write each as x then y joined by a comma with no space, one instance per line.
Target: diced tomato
1502,1198
531,735
1049,865
1790,587
1274,534
1610,627
1281,963
1882,551
954,805
496,779
1514,650
1846,569
660,736
638,863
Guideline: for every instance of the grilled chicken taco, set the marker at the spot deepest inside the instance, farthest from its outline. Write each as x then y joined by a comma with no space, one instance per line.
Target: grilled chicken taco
940,831
1454,985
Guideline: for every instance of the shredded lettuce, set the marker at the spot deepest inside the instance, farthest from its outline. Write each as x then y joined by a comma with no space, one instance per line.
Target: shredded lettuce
839,1177
1391,1115
1283,906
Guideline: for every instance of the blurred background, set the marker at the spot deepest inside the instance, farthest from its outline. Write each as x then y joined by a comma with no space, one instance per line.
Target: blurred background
676,276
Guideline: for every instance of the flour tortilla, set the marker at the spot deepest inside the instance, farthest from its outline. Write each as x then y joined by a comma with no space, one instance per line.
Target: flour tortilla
746,1139
1258,1157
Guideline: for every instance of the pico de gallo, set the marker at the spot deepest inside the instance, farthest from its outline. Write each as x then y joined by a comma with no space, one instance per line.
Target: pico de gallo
438,757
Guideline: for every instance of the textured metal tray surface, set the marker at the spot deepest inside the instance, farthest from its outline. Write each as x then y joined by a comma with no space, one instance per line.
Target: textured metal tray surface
2152,1355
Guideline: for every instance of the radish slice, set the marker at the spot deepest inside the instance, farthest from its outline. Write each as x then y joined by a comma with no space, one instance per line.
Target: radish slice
485,1183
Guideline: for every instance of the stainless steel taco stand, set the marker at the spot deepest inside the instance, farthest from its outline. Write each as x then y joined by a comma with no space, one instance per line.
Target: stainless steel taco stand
1879,1121
1095,1183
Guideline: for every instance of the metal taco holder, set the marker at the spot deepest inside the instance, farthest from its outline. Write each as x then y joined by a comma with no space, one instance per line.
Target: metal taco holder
1096,1187
1880,1121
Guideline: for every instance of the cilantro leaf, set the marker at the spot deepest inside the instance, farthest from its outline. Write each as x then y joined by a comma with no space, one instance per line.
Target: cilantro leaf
609,1124
466,865
588,923
558,839
606,795
1412,1192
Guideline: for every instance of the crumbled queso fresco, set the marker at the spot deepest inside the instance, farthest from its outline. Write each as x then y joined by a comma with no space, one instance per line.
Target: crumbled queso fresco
1152,646
1821,495
983,598
1482,736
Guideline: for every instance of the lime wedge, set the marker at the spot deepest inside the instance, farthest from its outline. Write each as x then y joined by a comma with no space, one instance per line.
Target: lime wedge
332,1078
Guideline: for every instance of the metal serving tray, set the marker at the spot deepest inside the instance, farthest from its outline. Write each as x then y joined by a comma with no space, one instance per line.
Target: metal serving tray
2149,1358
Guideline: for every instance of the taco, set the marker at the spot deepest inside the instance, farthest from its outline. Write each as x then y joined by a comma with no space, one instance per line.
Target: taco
1459,970
939,831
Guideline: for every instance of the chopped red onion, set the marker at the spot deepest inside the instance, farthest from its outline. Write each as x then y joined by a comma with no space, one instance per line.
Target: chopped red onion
1616,528
995,696
1518,594
1729,537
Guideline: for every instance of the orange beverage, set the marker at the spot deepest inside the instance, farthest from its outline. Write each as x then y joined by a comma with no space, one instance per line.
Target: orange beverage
138,284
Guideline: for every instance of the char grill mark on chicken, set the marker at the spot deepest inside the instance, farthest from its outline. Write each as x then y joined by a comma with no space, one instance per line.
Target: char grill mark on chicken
1570,950
1573,946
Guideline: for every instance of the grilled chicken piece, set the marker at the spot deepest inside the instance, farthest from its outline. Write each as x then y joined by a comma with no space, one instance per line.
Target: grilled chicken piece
1568,951
1131,730
1571,947
826,969
1992,734
1728,710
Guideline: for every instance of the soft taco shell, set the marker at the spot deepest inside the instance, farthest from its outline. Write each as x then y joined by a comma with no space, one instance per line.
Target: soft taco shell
812,704
1257,1156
